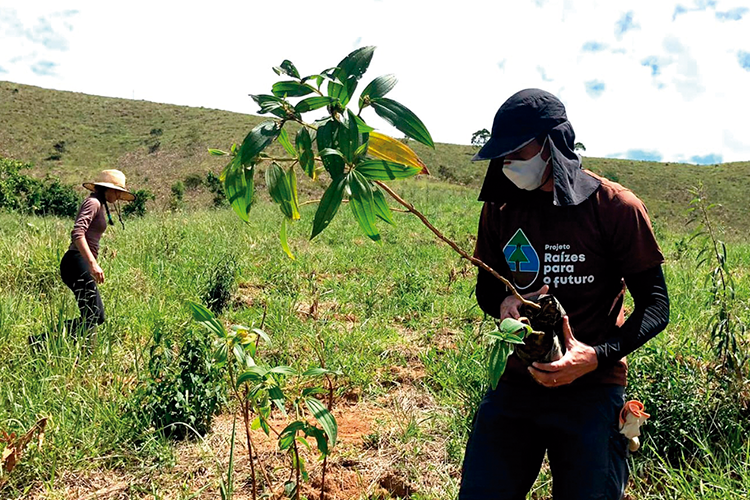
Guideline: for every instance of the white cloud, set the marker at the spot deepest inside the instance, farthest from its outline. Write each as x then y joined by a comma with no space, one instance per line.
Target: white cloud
667,86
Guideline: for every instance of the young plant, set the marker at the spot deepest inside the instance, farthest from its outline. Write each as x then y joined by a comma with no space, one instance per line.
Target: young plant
727,328
356,160
258,388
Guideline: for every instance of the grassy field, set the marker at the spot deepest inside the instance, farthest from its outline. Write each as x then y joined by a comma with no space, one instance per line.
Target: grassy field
398,319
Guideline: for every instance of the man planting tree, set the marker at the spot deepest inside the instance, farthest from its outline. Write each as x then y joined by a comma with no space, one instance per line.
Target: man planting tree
549,226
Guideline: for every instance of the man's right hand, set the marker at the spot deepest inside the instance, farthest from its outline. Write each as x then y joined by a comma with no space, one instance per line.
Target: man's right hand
96,272
509,307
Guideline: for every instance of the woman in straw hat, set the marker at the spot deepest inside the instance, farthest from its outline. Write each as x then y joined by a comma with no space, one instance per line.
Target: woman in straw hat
79,268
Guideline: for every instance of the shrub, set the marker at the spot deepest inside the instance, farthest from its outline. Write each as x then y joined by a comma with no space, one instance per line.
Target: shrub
137,207
219,285
215,185
193,181
22,193
183,389
178,195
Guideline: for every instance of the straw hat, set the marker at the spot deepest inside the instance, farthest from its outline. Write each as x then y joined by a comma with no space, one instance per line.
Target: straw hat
111,179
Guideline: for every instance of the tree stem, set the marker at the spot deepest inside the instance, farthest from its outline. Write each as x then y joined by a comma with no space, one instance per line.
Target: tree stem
455,246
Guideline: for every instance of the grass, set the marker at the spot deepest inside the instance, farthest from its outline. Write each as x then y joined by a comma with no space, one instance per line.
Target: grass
395,316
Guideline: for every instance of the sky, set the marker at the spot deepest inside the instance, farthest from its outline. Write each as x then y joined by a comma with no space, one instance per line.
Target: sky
643,80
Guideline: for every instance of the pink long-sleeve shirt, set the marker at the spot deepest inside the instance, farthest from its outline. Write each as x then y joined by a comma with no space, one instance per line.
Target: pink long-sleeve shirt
90,224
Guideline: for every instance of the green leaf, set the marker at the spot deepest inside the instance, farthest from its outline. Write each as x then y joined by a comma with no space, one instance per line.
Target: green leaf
499,353
361,203
257,140
382,210
403,119
287,68
291,88
282,370
202,315
511,326
379,87
363,127
286,437
305,153
286,143
248,376
328,206
382,170
270,104
348,72
217,152
313,103
320,439
220,355
264,336
277,396
239,185
282,186
505,337
349,136
324,418
284,240
327,138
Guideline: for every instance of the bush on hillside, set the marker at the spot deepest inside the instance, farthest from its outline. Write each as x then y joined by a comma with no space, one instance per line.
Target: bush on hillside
137,207
25,194
215,185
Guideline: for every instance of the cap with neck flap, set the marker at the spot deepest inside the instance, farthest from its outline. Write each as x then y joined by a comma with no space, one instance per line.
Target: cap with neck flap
526,115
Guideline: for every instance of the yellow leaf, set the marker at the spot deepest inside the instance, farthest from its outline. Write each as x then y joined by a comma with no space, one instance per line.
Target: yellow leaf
387,148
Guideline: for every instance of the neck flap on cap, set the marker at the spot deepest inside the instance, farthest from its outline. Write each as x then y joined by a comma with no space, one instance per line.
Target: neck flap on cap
572,184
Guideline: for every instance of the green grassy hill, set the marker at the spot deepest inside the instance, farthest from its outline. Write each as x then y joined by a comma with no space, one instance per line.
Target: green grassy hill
73,136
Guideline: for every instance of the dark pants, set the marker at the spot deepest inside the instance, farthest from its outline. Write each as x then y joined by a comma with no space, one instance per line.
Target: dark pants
578,428
75,273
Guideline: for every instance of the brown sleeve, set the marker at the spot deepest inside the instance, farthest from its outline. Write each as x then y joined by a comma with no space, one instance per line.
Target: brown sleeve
89,208
631,238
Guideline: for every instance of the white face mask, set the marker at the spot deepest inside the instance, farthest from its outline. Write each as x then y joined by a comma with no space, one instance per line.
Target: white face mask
526,174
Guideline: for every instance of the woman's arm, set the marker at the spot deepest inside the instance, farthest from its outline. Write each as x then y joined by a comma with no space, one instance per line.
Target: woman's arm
83,247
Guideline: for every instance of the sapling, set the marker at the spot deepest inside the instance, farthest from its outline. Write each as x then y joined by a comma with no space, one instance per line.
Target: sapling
357,161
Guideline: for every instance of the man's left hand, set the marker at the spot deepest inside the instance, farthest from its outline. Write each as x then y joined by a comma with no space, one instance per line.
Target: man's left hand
579,359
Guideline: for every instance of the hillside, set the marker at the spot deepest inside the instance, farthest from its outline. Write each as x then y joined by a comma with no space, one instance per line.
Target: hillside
73,135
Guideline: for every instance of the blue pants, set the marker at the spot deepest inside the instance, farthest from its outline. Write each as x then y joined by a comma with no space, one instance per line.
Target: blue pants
578,428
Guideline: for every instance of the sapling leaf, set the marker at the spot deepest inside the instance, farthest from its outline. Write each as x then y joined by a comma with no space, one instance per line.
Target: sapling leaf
364,128
327,138
349,136
287,68
239,185
286,143
277,396
361,203
257,140
286,436
248,376
291,88
320,439
382,210
217,152
304,442
283,370
264,336
270,104
324,418
403,119
379,87
499,353
382,170
313,103
303,143
202,315
328,206
348,72
220,355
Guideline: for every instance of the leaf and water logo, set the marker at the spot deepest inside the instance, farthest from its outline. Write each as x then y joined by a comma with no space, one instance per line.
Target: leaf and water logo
522,260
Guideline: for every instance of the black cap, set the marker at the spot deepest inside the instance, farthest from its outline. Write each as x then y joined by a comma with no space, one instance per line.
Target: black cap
526,115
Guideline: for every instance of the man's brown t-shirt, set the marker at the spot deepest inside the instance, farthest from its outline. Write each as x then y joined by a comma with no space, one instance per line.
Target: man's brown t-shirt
582,252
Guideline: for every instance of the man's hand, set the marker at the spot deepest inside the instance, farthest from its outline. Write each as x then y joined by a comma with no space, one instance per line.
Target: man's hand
579,359
509,306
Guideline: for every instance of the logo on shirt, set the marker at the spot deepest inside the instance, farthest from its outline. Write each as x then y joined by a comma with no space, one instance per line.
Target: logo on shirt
522,260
